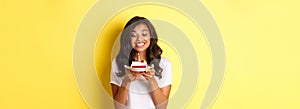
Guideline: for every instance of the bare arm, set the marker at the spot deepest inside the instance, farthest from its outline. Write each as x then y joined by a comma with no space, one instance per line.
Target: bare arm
120,93
159,96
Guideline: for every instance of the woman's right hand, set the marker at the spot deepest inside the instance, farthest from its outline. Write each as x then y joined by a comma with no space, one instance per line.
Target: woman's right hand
130,76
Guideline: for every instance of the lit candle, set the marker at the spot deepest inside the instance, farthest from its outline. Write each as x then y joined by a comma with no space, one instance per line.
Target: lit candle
139,57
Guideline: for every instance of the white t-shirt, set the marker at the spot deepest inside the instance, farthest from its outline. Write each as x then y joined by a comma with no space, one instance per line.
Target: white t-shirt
139,93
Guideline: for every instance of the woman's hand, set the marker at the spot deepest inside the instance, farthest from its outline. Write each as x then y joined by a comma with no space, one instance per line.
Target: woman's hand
130,77
150,76
150,73
159,95
128,74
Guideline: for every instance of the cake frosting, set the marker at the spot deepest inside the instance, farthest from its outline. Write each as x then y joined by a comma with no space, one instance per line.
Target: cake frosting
139,66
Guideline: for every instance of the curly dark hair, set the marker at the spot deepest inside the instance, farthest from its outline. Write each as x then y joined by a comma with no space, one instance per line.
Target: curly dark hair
127,53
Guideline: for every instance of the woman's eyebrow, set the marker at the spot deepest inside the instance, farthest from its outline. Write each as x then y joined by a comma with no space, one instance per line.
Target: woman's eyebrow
141,30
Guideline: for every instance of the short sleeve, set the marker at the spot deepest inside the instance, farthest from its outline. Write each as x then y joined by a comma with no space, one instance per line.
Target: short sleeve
166,79
114,79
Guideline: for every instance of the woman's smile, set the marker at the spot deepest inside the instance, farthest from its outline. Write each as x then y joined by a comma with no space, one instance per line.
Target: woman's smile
140,44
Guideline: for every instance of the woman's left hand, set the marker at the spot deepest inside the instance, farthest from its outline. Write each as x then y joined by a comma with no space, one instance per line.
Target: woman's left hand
150,73
150,76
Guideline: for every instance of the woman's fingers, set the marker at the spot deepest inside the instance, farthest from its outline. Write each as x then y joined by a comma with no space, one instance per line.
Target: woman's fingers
147,75
128,73
132,75
152,65
127,67
151,71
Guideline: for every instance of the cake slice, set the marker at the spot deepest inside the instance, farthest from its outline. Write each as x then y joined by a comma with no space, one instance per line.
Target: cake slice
138,66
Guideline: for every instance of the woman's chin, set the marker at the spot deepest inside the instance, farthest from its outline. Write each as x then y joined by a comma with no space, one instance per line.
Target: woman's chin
140,49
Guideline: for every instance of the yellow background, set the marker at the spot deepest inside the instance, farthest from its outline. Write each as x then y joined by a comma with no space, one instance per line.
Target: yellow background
261,41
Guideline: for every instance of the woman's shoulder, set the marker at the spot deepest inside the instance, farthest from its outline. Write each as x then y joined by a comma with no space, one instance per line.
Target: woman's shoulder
114,60
164,60
114,63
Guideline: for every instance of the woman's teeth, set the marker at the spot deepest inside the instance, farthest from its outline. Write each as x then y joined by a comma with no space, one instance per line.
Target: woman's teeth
140,44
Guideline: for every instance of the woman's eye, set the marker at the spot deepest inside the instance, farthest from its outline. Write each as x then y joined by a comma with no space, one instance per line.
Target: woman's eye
145,34
133,35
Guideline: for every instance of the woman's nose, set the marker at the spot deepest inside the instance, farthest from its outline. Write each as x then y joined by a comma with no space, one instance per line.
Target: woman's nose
140,38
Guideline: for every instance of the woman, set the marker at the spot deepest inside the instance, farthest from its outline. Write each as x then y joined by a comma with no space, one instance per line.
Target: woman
141,90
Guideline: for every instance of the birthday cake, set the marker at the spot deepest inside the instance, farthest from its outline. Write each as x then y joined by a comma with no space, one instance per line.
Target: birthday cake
138,66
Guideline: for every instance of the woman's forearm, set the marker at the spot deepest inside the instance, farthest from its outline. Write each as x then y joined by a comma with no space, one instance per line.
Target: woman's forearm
121,95
160,100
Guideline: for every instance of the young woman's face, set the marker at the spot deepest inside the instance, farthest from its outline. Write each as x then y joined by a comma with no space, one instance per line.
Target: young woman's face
140,38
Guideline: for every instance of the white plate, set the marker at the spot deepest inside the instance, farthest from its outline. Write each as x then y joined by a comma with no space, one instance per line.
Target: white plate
138,69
